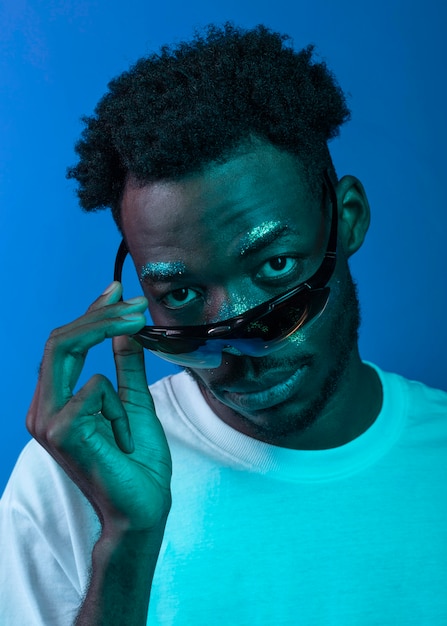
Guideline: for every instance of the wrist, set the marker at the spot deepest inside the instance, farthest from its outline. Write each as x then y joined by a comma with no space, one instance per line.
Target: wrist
116,539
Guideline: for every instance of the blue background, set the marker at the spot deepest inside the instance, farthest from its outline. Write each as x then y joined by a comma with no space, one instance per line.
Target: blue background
56,58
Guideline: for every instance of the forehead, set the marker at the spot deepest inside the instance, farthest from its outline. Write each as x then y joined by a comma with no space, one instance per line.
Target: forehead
255,191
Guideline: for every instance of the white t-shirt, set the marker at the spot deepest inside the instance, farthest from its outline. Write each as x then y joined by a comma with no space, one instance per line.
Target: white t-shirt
258,535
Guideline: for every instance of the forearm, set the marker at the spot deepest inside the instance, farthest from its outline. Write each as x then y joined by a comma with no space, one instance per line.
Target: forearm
121,580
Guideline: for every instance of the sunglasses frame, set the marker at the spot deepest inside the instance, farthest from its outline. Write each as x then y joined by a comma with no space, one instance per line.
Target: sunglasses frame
170,340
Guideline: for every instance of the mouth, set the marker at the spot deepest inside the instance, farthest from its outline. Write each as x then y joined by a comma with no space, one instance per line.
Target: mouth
252,396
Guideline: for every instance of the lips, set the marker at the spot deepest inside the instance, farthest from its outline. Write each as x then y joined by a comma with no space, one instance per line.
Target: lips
251,378
266,382
254,395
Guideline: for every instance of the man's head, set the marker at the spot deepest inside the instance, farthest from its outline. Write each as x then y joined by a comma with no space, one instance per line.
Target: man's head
192,104
216,243
212,156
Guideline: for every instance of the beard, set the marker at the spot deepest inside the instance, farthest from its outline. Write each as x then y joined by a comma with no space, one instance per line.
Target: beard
342,342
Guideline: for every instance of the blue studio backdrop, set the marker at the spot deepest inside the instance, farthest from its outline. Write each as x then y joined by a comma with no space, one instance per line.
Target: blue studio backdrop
56,57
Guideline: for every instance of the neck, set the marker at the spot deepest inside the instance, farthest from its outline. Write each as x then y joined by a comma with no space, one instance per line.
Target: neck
350,411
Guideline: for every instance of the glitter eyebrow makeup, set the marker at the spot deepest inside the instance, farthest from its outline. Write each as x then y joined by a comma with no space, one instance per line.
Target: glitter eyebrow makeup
260,236
162,271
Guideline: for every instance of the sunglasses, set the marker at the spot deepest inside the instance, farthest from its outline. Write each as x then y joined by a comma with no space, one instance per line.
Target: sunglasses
258,331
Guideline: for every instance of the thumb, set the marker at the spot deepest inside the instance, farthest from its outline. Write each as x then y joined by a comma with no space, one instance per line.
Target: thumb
131,373
134,393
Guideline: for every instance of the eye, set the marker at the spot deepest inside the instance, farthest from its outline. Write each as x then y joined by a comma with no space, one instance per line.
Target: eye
179,298
277,267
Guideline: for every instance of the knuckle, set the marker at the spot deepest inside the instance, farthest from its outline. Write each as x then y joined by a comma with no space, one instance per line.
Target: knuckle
99,307
54,341
37,427
35,422
30,423
61,343
98,381
55,334
31,414
41,433
93,393
55,433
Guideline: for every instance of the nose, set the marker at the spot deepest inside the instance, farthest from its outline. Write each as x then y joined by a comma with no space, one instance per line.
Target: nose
233,302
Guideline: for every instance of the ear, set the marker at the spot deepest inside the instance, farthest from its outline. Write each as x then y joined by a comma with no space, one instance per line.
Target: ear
354,213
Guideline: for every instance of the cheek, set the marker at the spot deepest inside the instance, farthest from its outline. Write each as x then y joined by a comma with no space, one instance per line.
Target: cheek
333,319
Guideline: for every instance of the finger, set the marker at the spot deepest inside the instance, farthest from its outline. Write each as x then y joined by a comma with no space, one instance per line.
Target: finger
67,349
130,368
63,336
134,392
106,304
110,295
131,373
81,428
106,309
109,304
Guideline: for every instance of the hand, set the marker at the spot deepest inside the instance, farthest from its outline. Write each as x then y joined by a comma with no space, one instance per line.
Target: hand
110,443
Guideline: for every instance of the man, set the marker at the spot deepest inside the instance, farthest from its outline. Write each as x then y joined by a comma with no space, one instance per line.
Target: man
308,487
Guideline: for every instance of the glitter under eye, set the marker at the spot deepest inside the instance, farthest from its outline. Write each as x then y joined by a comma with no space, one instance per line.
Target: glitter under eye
239,304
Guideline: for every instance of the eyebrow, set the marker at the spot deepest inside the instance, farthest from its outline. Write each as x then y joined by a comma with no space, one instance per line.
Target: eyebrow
162,271
260,236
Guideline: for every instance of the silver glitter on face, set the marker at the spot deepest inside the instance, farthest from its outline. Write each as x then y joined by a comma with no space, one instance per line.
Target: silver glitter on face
162,271
297,338
260,235
237,305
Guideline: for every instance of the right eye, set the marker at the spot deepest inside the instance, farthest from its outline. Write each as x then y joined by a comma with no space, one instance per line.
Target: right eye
179,298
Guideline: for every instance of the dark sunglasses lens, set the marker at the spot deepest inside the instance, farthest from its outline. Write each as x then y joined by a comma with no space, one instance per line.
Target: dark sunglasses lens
186,352
289,316
279,323
257,339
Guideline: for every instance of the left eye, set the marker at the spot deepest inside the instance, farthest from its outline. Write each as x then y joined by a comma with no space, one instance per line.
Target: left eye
277,267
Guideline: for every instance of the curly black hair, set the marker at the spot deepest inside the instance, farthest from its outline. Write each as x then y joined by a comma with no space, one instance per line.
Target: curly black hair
176,111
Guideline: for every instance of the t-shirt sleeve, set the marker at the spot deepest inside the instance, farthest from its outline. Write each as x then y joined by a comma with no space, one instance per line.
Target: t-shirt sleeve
47,533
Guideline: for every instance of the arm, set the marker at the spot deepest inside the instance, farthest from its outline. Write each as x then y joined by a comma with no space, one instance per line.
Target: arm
122,572
113,447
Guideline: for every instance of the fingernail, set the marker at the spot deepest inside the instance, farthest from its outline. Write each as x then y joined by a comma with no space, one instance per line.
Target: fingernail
109,289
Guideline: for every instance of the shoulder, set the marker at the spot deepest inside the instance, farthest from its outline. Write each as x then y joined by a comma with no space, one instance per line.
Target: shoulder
47,533
424,408
39,489
417,393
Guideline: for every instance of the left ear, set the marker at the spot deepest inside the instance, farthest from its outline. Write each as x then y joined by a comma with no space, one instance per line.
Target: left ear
354,213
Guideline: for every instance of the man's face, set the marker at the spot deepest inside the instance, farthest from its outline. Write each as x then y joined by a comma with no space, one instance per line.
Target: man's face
213,245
